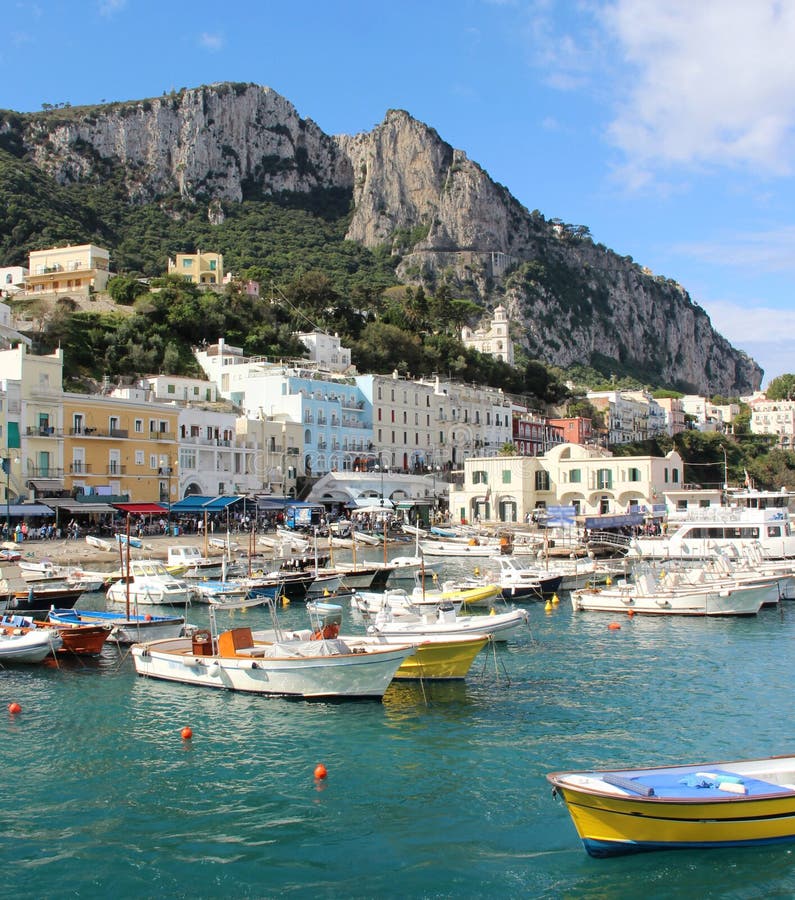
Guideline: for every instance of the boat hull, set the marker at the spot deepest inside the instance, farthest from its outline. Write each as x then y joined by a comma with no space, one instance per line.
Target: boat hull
124,630
350,675
613,824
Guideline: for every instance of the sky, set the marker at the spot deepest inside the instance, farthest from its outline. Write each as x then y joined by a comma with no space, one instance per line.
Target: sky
664,126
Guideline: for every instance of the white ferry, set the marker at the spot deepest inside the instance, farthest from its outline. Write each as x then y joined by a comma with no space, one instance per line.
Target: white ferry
751,519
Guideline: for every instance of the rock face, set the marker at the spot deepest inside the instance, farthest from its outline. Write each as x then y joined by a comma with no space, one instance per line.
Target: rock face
567,297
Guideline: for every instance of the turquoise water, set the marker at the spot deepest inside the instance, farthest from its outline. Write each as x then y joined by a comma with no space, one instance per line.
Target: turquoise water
436,792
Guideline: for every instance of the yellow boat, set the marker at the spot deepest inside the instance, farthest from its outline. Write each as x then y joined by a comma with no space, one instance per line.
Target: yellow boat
435,658
728,804
454,592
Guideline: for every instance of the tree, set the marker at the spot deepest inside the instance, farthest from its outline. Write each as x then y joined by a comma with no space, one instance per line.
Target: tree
781,388
125,289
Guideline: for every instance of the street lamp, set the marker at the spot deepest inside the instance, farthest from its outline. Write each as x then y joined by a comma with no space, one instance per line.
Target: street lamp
7,470
381,468
165,469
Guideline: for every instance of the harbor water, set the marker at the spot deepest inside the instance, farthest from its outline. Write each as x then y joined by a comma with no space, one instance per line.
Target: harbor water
438,791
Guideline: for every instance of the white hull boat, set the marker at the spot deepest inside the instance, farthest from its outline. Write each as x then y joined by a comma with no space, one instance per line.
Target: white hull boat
234,660
18,645
148,583
649,596
499,626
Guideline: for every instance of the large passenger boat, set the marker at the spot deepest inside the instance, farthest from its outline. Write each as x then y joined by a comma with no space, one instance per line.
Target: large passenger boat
750,519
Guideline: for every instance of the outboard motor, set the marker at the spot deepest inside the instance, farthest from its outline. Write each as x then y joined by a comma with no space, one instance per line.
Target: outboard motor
446,612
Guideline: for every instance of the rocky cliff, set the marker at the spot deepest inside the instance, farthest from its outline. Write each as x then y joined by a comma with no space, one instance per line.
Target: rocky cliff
568,298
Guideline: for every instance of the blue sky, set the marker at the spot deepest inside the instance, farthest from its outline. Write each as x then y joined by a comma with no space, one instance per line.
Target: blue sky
665,126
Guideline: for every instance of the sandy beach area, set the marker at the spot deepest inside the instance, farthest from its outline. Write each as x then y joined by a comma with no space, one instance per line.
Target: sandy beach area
79,553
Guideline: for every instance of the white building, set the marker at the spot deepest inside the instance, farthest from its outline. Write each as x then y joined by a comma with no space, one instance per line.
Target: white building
12,280
326,351
494,341
626,415
180,389
775,417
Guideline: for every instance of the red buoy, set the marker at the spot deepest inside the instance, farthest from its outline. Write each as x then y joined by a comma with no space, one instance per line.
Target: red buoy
186,733
320,771
148,617
14,708
630,613
614,626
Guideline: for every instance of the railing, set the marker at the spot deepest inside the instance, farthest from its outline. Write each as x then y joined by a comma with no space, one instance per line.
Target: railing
43,472
43,431
100,433
79,468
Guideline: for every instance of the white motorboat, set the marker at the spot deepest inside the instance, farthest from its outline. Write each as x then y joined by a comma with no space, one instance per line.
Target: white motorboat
28,645
657,595
187,561
147,582
444,620
235,660
399,602
517,581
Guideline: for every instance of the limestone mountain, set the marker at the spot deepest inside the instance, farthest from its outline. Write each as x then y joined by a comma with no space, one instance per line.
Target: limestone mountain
570,300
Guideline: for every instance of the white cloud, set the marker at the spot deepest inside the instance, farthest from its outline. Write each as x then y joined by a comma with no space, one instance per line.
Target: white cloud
213,42
771,251
109,8
712,83
744,323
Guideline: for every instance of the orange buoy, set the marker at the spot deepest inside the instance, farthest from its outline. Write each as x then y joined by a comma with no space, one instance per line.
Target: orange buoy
630,613
14,708
614,626
148,617
186,733
320,771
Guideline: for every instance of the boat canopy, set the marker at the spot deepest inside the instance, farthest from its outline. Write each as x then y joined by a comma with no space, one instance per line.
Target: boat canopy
602,522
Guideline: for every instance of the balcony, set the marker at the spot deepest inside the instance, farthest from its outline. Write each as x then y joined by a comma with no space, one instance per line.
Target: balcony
99,432
79,468
43,472
45,431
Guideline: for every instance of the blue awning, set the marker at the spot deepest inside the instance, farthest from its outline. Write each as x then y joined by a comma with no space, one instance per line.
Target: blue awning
28,509
600,522
199,503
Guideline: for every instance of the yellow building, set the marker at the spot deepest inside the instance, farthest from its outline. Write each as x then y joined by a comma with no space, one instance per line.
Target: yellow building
120,445
77,269
198,268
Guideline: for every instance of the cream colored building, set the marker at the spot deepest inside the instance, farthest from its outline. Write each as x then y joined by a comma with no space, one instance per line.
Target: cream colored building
510,488
198,268
78,269
33,434
494,341
776,417
326,350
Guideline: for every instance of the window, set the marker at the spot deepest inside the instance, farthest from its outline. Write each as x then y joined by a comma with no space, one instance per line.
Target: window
187,263
171,389
113,424
604,479
139,457
479,477
212,265
575,476
153,461
139,426
542,480
633,474
506,476
675,476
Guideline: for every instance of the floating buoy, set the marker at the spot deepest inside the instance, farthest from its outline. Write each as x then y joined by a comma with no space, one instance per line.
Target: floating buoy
608,580
320,771
548,606
186,733
555,598
14,708
614,626
492,611
148,617
630,613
